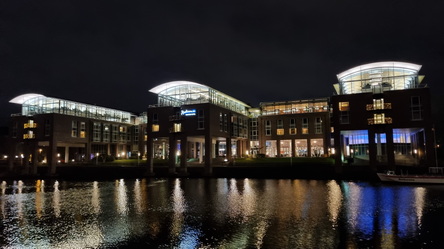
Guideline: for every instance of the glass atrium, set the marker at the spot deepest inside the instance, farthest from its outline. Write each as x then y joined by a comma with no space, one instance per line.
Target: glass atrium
178,93
295,106
378,77
33,104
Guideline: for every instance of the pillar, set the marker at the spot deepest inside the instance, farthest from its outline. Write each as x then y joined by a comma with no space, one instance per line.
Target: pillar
183,155
52,156
172,155
390,149
208,156
66,154
228,148
149,156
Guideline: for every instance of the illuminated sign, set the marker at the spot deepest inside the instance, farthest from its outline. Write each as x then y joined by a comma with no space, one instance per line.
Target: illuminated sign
188,112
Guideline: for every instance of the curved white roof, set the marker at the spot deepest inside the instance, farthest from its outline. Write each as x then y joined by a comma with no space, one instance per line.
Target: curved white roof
24,97
158,89
394,64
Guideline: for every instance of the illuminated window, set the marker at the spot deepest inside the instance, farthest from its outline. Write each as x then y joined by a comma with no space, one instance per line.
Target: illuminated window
304,125
177,127
280,127
379,118
74,129
378,104
29,135
155,128
82,129
344,109
344,106
292,129
332,129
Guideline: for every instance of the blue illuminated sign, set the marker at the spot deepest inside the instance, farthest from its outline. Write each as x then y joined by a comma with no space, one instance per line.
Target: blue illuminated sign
188,112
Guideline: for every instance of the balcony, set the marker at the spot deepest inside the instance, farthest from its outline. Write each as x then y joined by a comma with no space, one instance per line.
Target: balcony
377,121
28,136
372,107
29,125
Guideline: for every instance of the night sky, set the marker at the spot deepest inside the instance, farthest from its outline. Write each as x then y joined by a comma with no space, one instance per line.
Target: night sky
110,53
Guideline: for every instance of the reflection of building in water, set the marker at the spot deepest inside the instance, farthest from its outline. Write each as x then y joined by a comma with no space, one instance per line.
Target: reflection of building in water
39,197
121,197
95,198
399,212
334,201
56,199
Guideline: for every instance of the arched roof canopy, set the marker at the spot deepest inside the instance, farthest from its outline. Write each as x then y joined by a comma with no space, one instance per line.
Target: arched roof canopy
33,104
24,97
178,93
386,75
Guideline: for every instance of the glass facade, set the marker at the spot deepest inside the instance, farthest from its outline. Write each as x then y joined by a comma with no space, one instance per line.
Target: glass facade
178,93
379,77
294,107
33,104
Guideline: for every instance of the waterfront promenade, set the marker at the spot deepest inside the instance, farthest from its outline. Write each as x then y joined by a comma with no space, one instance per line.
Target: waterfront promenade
271,169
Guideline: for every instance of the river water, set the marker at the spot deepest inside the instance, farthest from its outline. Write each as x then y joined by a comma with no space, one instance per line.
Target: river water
219,213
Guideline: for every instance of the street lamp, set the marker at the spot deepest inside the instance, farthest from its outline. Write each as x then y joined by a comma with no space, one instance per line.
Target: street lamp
138,158
97,158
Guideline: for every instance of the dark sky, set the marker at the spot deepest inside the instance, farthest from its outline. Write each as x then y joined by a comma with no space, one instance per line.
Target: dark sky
110,53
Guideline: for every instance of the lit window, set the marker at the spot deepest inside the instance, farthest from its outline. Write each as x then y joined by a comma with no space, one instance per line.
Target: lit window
82,129
177,127
379,118
74,130
155,128
378,104
304,125
344,106
293,131
344,109
280,131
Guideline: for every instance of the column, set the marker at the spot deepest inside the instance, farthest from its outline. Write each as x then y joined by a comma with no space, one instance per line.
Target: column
228,148
183,155
52,156
308,147
35,159
372,150
66,154
208,157
172,155
149,156
390,149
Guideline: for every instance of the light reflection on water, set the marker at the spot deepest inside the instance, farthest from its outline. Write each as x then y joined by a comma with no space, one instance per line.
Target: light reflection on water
218,213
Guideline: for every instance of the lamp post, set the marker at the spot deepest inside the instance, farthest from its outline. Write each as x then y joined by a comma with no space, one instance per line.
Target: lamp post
97,158
138,158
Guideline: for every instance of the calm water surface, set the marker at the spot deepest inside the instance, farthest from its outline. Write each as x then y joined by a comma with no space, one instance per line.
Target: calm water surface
219,213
